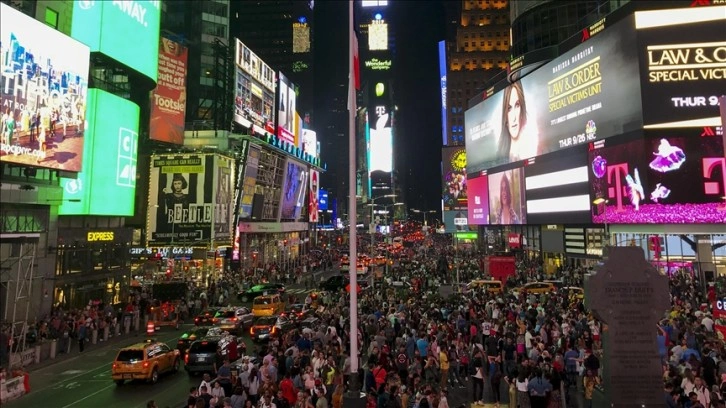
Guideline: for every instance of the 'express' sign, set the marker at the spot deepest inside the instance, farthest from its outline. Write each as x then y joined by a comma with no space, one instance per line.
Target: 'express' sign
100,236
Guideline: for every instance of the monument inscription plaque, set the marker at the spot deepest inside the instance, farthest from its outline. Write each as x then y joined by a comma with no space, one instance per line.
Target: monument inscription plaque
630,296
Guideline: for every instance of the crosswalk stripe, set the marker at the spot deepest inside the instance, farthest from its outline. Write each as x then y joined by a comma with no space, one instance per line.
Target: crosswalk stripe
300,291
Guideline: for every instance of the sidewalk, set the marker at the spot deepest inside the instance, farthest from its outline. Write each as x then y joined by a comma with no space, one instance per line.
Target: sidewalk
62,356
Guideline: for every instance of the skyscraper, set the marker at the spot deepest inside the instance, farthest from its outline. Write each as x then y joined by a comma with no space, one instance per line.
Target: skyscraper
475,56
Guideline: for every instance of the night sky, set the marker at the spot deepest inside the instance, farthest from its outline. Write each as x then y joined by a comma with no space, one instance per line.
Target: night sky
419,26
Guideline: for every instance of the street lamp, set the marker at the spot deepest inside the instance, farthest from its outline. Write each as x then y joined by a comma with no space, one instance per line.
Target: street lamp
424,212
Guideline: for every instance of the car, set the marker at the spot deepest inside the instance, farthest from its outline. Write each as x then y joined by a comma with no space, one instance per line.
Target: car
206,317
234,319
536,288
144,361
267,305
260,290
573,291
334,283
491,286
186,339
266,328
296,311
202,354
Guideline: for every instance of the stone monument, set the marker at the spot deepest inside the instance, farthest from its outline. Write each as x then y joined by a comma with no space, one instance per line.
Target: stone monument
630,297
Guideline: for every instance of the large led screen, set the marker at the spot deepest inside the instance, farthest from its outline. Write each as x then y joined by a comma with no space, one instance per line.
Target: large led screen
507,203
294,189
672,176
313,195
127,31
442,84
478,202
181,198
169,99
455,221
454,177
107,183
43,87
380,149
254,97
557,189
683,65
286,109
589,93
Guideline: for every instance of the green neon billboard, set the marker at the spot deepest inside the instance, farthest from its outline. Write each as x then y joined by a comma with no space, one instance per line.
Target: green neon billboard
107,183
127,31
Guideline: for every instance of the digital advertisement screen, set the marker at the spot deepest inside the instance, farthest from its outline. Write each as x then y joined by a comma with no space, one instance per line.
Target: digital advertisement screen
169,99
181,198
683,65
380,148
442,74
294,189
589,93
310,142
249,180
314,192
107,183
323,200
507,203
43,90
454,191
673,176
286,109
254,97
127,31
557,188
478,202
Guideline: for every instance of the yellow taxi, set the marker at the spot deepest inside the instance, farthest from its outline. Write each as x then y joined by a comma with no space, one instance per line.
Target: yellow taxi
491,286
267,305
380,260
144,361
536,288
573,292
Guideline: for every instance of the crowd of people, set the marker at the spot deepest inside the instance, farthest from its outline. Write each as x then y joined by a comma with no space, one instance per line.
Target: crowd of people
415,348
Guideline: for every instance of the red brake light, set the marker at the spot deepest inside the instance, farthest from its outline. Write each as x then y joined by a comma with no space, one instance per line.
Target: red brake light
146,364
196,319
252,330
214,320
204,343
113,365
186,358
234,319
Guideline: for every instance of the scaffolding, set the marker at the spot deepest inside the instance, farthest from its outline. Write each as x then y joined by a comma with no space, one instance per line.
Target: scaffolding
18,271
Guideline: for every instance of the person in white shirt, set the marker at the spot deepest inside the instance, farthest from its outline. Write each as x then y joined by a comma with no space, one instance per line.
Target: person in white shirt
707,322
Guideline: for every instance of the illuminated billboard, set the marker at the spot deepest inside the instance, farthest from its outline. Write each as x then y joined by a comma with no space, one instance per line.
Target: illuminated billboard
254,97
181,198
589,93
223,186
107,183
43,90
323,200
683,65
672,176
168,101
310,142
380,145
507,202
294,189
313,195
377,35
478,200
557,189
286,105
455,221
442,81
454,187
127,31
249,181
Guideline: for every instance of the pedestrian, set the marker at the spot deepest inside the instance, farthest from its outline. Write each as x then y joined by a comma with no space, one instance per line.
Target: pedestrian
82,332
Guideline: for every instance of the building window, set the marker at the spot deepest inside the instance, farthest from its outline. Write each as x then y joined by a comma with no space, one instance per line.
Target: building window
51,17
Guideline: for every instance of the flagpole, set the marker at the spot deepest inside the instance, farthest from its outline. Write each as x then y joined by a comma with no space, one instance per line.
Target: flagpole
352,211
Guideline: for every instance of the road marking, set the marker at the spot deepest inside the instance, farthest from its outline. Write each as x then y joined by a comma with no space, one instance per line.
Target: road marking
89,395
71,372
69,386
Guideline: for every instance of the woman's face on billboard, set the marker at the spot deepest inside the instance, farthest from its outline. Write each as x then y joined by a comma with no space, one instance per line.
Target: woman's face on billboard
513,114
